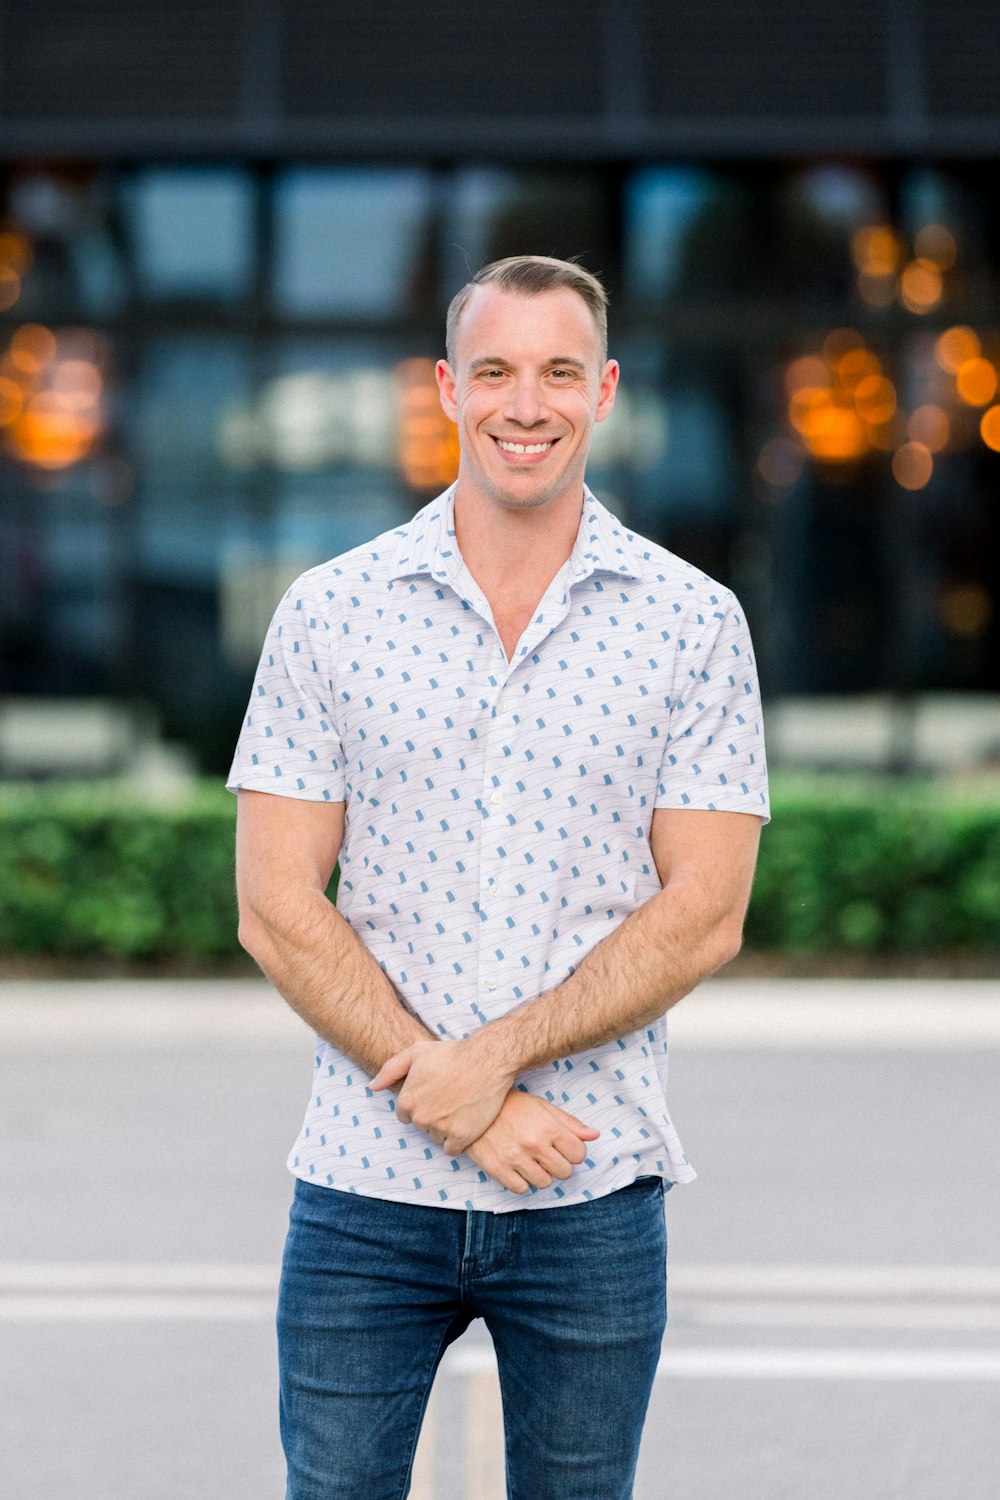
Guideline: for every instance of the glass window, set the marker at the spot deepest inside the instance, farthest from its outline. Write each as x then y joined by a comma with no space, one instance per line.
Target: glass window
661,206
351,242
192,230
495,212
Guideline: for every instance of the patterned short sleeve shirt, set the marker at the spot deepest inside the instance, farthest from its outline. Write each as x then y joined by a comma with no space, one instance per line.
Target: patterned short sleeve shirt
497,812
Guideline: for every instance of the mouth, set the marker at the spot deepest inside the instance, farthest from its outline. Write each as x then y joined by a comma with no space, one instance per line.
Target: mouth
518,452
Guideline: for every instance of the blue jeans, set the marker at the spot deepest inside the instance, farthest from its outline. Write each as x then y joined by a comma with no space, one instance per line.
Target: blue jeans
373,1292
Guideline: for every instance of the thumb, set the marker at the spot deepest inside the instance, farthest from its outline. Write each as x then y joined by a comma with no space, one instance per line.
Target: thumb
585,1132
394,1069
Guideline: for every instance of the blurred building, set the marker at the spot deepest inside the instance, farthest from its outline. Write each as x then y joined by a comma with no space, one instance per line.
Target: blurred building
229,232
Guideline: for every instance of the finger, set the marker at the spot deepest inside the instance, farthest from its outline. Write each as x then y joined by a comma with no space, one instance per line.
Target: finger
585,1132
534,1172
402,1114
393,1070
570,1147
555,1163
506,1176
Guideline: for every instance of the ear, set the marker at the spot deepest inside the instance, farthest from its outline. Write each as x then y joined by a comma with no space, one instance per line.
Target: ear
446,389
607,390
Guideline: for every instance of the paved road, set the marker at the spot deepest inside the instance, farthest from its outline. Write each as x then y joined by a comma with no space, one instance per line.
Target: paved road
835,1322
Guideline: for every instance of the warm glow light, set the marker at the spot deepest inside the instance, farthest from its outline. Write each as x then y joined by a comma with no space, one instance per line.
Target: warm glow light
11,400
50,406
989,428
780,463
32,347
855,366
888,437
49,435
931,426
805,403
966,609
875,399
937,244
876,250
955,346
834,433
10,287
920,286
428,441
912,466
809,371
841,341
15,252
877,291
977,382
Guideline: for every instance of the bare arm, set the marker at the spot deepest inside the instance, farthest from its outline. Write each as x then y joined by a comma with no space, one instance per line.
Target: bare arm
285,854
286,850
693,925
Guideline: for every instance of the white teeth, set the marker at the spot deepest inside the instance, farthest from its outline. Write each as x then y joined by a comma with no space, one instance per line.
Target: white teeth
523,447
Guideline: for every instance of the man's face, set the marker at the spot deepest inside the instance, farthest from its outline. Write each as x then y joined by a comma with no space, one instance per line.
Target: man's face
525,391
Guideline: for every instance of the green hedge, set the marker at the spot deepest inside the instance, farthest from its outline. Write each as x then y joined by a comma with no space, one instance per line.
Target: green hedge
847,865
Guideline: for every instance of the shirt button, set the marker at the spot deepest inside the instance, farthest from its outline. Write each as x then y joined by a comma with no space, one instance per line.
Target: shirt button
493,888
492,983
495,798
502,706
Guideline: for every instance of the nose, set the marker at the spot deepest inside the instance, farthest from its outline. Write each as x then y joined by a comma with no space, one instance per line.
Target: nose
526,402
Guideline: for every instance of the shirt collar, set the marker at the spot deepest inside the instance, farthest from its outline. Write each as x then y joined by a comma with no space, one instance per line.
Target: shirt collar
429,545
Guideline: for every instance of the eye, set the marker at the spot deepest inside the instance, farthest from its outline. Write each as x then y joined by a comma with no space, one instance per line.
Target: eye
561,374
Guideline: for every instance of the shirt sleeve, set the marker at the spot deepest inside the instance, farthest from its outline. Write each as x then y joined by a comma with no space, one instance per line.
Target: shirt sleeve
714,754
289,743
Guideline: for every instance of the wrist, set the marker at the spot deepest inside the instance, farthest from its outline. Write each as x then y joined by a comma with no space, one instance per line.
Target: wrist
491,1050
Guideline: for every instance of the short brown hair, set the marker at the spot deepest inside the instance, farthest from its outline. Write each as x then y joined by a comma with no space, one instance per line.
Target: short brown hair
527,276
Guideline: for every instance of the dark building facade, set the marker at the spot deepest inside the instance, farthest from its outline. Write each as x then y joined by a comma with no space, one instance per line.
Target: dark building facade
229,232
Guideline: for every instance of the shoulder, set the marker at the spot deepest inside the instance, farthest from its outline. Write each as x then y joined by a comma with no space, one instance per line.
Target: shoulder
679,585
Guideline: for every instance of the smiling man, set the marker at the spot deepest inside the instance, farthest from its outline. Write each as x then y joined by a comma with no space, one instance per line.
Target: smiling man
533,741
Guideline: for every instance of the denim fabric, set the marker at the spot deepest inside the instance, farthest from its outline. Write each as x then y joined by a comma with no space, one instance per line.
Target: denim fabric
374,1291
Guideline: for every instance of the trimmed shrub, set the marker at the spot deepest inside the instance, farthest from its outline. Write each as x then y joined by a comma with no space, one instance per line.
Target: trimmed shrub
847,865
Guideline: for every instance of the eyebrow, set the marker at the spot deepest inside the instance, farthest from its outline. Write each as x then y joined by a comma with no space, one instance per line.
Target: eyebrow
566,360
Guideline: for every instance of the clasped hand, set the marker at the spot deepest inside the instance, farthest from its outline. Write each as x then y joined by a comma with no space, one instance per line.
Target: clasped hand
526,1141
450,1090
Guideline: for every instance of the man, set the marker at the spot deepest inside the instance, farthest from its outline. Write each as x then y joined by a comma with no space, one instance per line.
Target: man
533,741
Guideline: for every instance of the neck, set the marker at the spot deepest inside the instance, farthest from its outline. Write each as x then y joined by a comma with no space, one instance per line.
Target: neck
501,544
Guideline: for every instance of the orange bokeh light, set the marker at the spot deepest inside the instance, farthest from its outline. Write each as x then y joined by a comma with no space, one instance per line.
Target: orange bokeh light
931,426
920,286
989,428
912,465
877,291
841,341
49,435
976,382
49,405
855,366
875,399
15,252
966,609
32,347
937,244
955,346
876,250
807,372
11,400
428,441
834,432
10,287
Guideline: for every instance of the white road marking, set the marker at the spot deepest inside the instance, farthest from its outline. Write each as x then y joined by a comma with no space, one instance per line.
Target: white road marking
792,1363
775,1296
168,1015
